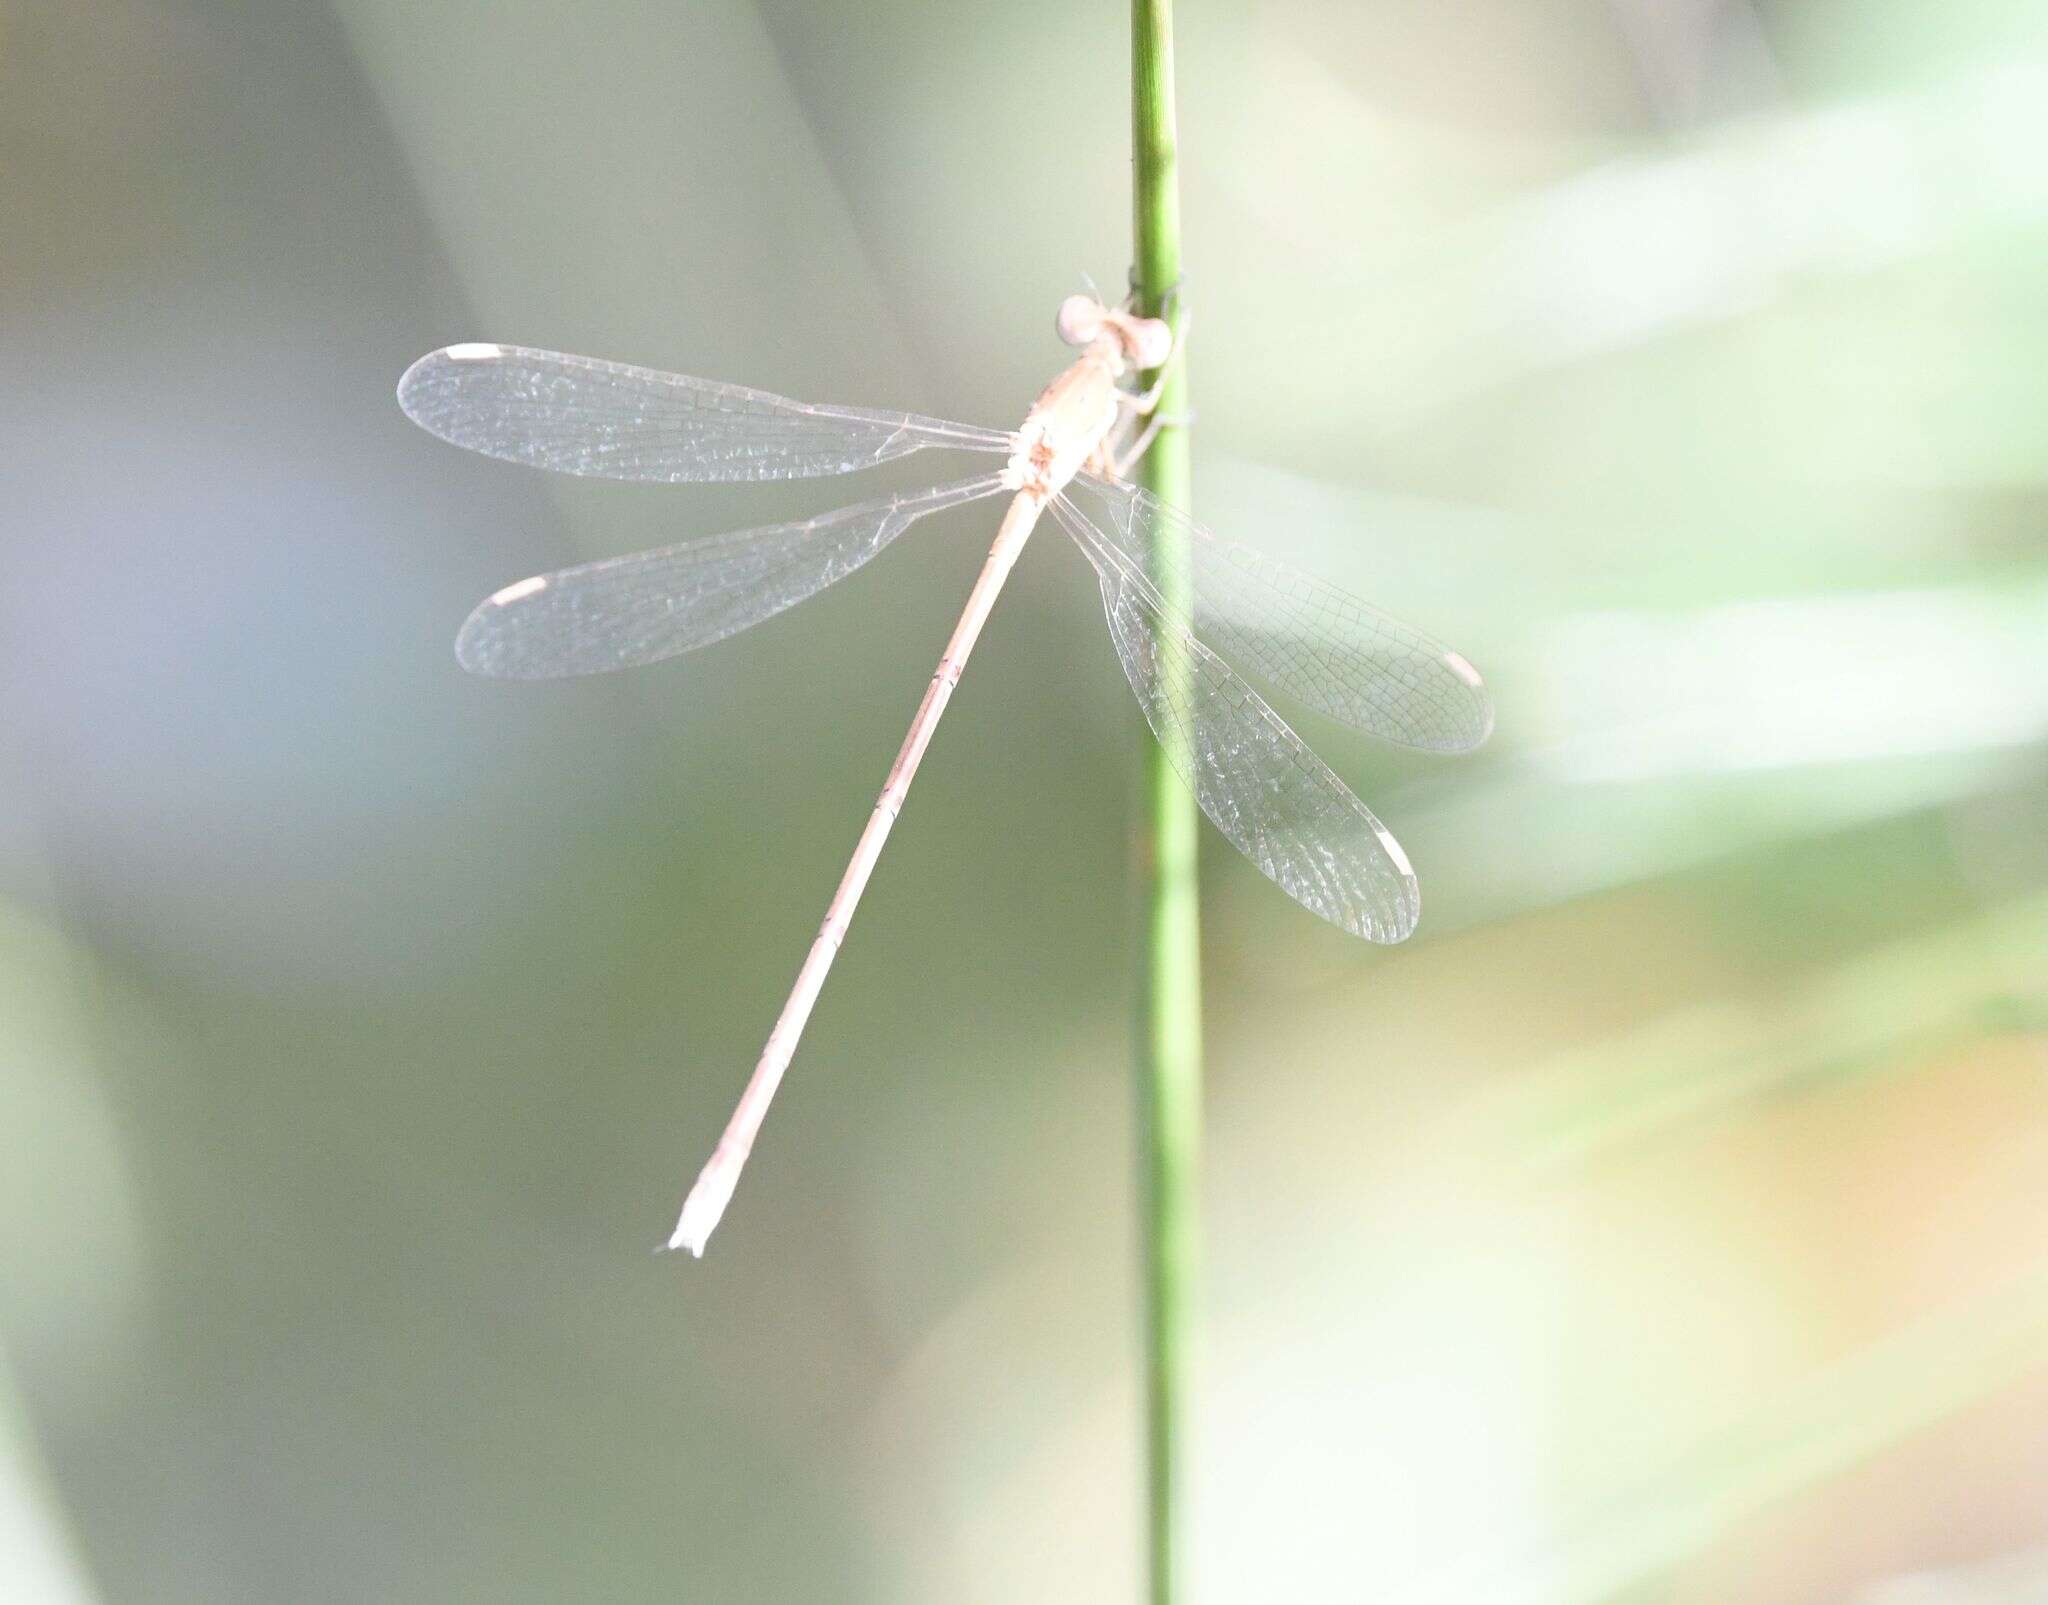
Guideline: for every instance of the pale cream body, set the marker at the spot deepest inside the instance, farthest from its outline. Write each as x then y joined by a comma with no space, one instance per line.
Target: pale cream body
1068,429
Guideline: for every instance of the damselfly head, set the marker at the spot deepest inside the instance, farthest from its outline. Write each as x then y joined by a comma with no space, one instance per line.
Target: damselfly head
1149,341
1141,342
1081,320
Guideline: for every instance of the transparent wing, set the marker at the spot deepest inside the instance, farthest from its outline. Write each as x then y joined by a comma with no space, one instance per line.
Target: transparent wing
623,611
578,415
1310,639
1276,801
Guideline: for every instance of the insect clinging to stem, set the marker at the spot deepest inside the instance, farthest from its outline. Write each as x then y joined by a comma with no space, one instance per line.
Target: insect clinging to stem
1257,781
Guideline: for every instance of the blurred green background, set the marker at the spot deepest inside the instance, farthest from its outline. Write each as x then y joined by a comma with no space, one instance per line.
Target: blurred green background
1667,1222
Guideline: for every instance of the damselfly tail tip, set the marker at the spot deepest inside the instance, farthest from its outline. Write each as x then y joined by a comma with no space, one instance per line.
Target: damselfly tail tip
689,1234
705,1206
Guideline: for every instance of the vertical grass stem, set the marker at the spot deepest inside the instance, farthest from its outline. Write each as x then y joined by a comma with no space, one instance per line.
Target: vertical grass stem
1170,994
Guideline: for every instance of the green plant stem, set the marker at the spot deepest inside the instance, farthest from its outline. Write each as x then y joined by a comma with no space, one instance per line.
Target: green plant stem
1170,993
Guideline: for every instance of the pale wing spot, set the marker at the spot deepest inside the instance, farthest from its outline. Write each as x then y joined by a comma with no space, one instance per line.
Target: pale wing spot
474,351
1396,854
1462,668
512,593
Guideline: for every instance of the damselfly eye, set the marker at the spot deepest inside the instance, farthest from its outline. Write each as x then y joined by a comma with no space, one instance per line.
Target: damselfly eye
1151,342
1080,320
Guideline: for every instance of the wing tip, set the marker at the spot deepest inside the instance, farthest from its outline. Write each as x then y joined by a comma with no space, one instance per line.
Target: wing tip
468,648
415,377
509,594
1405,918
1485,730
478,646
504,638
1466,671
1407,912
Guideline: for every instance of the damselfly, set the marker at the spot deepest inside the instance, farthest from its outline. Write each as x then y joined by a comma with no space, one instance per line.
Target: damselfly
1274,799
